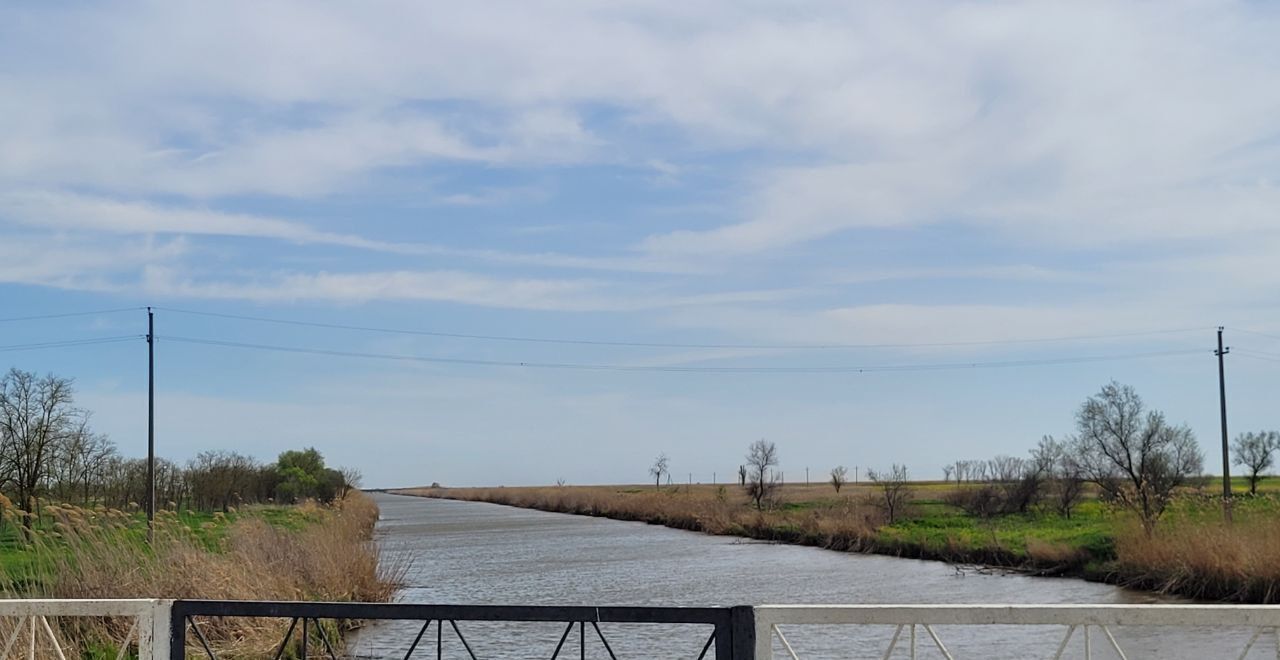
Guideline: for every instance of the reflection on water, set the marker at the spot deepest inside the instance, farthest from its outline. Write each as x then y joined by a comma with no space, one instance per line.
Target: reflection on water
475,553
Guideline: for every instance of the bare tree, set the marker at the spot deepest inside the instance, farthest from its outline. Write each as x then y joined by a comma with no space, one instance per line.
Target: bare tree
1135,456
839,475
658,469
1256,452
742,475
947,470
1066,476
895,492
761,456
35,414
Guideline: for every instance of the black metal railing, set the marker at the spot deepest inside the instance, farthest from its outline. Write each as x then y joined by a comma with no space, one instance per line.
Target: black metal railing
731,635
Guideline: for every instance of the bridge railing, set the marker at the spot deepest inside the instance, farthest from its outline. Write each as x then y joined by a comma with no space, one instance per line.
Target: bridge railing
727,634
172,630
28,630
1093,627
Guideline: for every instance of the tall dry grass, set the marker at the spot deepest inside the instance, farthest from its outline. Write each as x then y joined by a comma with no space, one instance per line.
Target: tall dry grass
846,523
102,553
1204,559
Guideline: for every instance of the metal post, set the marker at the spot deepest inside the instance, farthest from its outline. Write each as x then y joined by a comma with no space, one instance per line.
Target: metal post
1222,402
742,624
151,425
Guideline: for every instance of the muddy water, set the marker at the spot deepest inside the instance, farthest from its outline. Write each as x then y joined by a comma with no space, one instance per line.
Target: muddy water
475,553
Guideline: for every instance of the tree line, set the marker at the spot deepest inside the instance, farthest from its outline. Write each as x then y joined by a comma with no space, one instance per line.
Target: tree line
49,451
1130,455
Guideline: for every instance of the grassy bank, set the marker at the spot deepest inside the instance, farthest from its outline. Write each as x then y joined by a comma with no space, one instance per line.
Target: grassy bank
1192,552
307,552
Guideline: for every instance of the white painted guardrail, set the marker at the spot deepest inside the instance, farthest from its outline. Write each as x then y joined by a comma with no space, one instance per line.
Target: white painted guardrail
914,633
32,631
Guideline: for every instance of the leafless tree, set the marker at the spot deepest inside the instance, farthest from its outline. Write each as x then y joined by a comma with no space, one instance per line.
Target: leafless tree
659,468
895,490
947,471
35,414
839,475
1256,452
742,475
1066,476
1136,457
761,456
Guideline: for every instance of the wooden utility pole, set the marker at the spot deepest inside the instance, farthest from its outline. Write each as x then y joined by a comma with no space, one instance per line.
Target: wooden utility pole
151,425
1222,402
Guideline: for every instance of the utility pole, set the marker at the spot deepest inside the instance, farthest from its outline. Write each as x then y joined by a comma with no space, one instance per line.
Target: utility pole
151,424
806,476
1222,402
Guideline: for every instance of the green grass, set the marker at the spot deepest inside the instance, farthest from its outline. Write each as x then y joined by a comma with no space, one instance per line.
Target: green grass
18,560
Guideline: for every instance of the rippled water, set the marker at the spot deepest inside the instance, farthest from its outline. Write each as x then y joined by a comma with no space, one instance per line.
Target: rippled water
475,553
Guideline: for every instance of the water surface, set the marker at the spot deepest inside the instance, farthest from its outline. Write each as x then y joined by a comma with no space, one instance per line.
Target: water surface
477,553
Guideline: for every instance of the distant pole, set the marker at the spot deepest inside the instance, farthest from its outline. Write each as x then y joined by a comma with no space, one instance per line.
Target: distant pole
855,474
806,476
713,478
151,424
1222,402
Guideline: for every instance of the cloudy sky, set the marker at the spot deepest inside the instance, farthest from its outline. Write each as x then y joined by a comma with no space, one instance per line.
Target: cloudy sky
729,203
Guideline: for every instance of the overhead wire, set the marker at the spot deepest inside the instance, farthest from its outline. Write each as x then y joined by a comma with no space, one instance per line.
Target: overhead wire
641,344
675,369
70,342
1254,332
63,315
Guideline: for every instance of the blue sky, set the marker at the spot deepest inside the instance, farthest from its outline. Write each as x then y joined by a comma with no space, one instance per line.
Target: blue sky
727,173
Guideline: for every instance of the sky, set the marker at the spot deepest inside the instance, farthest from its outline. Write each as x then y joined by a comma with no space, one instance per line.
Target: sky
731,205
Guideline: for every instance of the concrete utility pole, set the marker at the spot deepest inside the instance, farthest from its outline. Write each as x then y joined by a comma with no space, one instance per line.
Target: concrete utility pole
1222,402
151,424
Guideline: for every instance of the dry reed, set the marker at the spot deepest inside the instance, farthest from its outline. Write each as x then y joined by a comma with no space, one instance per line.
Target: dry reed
102,554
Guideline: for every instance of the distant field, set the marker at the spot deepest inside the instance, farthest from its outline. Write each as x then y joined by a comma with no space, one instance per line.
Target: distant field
1192,553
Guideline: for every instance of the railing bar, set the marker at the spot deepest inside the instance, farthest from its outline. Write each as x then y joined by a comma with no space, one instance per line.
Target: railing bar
439,640
938,642
285,642
603,640
13,638
324,637
48,630
568,629
306,637
1276,632
462,639
785,644
1111,638
200,636
124,646
1063,646
1088,644
710,640
893,643
31,647
582,640
417,639
1248,647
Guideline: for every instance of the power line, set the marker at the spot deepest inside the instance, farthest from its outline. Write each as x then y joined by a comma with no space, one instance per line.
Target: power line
637,344
676,369
64,315
69,342
1254,332
1261,355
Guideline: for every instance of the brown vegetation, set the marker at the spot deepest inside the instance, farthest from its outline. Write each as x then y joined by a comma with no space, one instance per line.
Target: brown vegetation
99,553
1209,560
